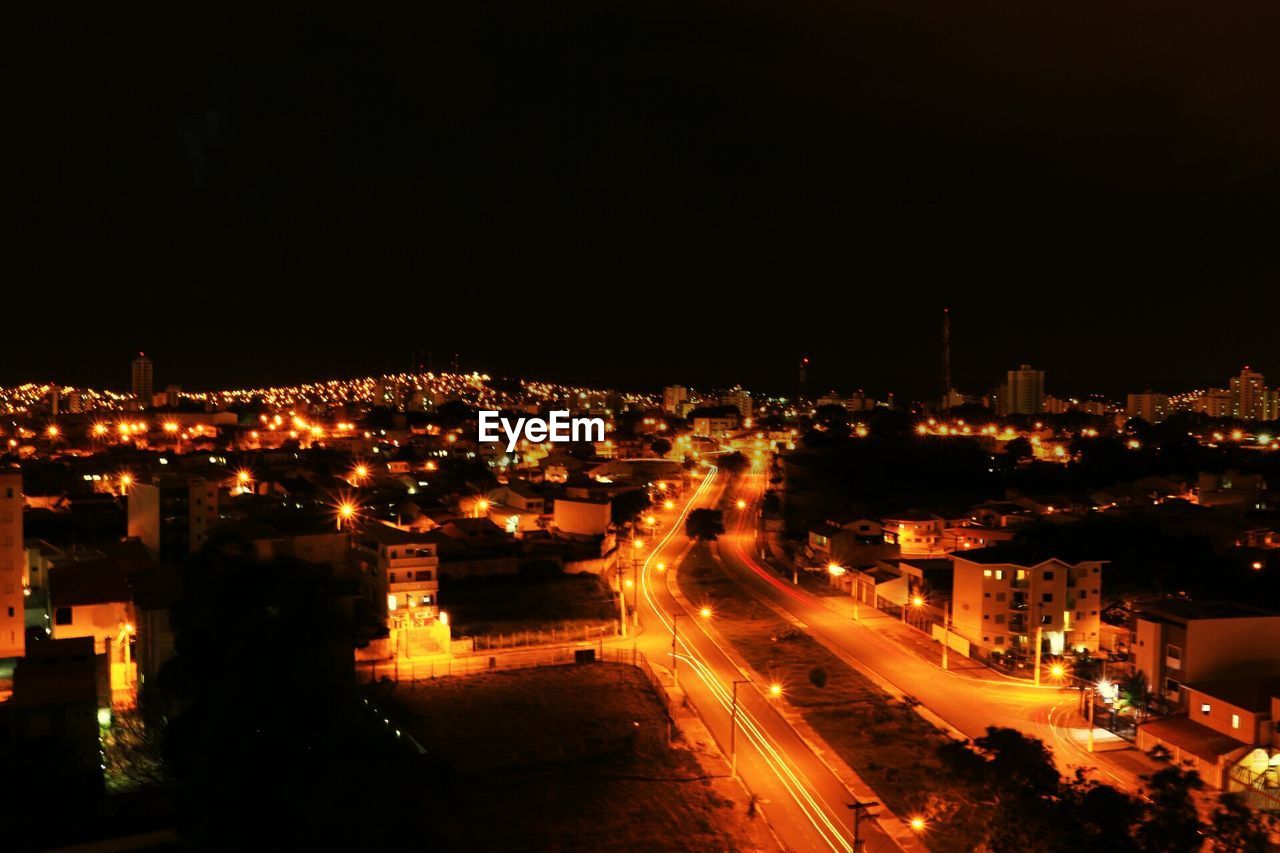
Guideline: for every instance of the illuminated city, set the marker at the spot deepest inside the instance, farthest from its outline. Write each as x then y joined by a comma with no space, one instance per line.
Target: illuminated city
692,427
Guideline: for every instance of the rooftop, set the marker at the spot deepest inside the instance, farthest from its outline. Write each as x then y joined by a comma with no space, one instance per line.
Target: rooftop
1251,694
1181,610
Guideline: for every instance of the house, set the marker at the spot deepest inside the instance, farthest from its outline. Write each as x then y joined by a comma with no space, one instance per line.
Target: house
849,541
1247,491
582,516
716,422
93,599
402,570
916,533
1228,734
1004,598
1179,642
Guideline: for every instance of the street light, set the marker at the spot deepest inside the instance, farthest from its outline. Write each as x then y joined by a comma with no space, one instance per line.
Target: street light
858,808
705,612
733,728
775,690
742,504
917,824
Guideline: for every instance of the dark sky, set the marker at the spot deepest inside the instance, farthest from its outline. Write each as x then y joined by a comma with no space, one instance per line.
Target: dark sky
632,193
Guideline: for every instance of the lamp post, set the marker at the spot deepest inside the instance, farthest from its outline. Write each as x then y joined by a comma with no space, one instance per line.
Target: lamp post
622,601
733,728
946,632
675,661
1039,643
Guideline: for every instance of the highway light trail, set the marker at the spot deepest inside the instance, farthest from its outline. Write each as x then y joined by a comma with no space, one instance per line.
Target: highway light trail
815,810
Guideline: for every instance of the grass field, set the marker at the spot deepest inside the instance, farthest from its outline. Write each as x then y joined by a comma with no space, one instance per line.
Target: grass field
567,758
882,739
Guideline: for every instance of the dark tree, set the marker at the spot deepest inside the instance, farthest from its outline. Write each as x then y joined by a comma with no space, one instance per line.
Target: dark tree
818,677
660,446
628,505
705,525
1018,449
734,463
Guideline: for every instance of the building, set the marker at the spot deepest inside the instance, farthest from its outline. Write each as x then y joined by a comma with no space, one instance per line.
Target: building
1231,488
92,599
582,516
1004,597
916,533
1250,399
740,400
402,571
1177,643
674,397
1216,403
142,379
52,716
1024,392
13,563
718,422
1150,406
172,514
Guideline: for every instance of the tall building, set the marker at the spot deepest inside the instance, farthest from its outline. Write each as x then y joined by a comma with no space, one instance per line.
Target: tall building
142,384
1216,403
740,400
1024,392
12,565
172,514
1150,406
673,396
1249,398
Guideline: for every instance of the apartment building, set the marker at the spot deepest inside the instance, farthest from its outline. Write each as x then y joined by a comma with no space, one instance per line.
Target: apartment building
1004,597
172,514
13,562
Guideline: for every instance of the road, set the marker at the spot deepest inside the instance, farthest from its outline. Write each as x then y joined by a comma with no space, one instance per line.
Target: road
803,799
968,697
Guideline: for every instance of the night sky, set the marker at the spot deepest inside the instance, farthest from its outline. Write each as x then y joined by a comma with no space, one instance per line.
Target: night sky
634,193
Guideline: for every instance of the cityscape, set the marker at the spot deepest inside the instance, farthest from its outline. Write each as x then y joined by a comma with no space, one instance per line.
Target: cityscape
641,427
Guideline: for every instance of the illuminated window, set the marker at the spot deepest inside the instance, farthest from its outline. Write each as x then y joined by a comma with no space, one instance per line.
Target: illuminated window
1235,721
1204,707
986,573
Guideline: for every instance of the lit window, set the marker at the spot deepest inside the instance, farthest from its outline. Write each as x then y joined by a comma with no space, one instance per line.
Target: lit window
986,573
1235,721
1204,707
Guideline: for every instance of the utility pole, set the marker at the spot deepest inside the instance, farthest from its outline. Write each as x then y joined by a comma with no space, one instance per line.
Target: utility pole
622,601
733,729
1088,715
946,632
946,359
858,808
675,661
1039,643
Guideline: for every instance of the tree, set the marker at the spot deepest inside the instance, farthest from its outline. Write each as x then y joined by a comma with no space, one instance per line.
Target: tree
705,525
628,505
1171,822
818,677
1236,827
1018,449
734,463
660,446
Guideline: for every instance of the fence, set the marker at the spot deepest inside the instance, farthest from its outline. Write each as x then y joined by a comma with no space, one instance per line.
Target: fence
446,667
541,637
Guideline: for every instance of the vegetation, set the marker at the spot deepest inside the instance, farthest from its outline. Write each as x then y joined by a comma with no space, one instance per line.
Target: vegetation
705,525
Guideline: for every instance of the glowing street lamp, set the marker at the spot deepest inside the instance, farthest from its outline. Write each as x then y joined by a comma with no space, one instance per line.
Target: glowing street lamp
775,690
171,427
917,824
669,505
126,480
742,504
662,567
835,569
705,612
359,474
1057,671
52,431
346,512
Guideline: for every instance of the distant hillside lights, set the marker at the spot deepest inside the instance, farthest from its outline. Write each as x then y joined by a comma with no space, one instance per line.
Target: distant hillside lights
560,428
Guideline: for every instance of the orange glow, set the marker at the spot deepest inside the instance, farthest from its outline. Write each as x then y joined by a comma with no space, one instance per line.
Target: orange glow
835,569
360,472
669,505
662,567
917,601
99,429
52,431
775,690
650,520
1057,670
243,477
917,824
742,504
705,613
170,426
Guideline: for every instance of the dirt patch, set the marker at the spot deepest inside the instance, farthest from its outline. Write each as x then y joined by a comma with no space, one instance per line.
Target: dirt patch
565,758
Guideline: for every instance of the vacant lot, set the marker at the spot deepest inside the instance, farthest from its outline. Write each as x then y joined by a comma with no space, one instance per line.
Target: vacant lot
506,604
566,758
886,742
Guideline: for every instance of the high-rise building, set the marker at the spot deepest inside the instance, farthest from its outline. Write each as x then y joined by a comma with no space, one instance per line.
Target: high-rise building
1249,397
1216,403
1024,392
171,515
142,384
740,400
1150,406
673,396
12,566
